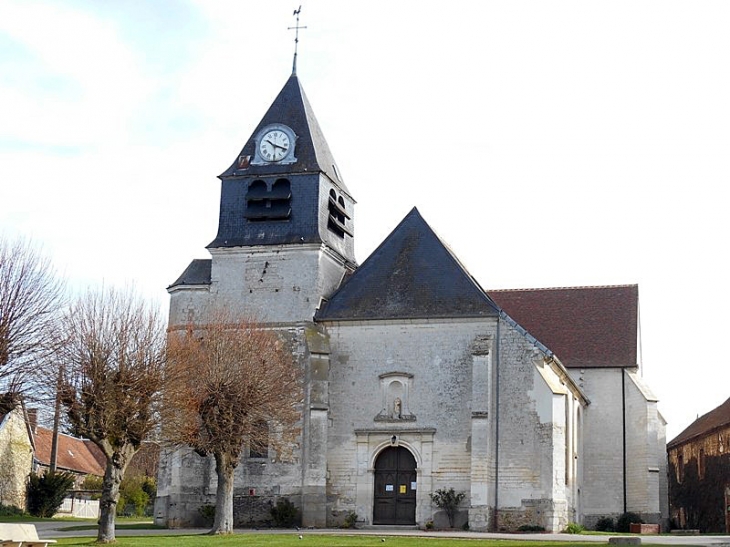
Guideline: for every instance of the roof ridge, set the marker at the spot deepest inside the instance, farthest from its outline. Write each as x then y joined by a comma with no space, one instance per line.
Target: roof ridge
576,287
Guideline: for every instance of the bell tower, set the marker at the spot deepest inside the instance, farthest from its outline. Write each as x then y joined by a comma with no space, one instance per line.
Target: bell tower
286,223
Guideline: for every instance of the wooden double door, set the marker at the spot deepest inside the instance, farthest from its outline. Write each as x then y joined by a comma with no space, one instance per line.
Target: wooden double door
395,487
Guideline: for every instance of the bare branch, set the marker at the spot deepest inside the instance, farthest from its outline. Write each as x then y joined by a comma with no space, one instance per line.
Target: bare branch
111,359
30,297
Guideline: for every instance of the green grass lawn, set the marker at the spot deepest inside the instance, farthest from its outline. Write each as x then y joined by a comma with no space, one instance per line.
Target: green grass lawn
315,540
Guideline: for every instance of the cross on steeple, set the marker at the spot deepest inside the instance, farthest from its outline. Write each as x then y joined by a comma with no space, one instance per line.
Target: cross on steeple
296,39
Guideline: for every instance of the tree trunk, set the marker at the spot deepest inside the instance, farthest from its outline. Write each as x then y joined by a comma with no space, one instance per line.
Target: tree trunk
113,475
224,468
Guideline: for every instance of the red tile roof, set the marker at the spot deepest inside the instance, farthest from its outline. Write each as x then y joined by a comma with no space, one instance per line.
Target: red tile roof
584,326
74,454
704,424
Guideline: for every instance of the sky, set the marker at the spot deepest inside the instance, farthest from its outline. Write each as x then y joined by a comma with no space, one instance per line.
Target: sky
550,144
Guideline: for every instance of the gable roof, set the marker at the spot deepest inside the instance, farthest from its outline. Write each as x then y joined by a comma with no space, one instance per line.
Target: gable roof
585,327
74,454
704,424
411,275
292,108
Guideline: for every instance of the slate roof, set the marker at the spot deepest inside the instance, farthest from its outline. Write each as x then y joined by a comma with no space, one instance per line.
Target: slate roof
74,454
197,273
703,425
292,108
586,327
411,275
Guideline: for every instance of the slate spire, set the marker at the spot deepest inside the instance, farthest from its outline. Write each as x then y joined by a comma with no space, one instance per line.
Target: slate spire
291,107
284,187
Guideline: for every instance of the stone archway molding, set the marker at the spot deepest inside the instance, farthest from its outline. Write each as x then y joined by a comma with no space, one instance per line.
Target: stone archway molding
370,443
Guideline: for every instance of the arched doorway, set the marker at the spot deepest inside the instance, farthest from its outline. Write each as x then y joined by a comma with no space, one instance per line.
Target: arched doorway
395,487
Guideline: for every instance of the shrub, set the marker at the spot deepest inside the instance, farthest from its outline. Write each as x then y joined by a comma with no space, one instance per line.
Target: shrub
10,511
285,514
207,511
149,485
605,524
429,525
135,494
46,492
624,521
133,500
574,528
531,528
449,501
350,520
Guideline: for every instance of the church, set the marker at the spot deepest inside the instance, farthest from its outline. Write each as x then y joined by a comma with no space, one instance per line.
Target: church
417,379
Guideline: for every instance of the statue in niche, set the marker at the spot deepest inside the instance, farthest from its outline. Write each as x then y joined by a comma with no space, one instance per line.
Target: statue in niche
397,408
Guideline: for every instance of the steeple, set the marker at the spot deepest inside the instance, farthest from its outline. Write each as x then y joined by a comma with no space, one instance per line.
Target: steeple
312,152
284,186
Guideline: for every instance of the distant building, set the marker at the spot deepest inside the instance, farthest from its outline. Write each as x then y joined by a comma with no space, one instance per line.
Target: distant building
78,456
699,473
82,457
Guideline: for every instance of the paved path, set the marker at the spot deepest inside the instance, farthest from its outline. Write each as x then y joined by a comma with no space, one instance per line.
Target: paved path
58,529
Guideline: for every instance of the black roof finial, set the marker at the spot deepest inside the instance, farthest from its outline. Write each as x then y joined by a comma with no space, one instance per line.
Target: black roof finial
296,40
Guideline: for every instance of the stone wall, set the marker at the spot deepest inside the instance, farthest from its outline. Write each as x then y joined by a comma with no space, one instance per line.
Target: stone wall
442,414
273,284
603,492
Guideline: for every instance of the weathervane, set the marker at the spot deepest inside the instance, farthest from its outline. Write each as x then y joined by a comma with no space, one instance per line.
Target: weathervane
296,39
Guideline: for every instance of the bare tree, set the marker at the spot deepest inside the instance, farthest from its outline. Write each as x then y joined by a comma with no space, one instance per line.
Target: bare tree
112,362
224,379
30,297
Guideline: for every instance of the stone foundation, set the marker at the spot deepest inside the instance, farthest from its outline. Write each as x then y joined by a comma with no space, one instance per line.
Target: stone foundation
552,516
481,518
249,511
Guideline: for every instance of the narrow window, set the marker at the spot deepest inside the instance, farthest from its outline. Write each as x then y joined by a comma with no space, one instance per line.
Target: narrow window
258,445
338,217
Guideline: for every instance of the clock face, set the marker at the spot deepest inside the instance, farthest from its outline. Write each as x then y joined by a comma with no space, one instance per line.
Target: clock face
274,145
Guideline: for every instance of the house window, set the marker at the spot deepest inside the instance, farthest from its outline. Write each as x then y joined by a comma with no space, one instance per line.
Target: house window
265,204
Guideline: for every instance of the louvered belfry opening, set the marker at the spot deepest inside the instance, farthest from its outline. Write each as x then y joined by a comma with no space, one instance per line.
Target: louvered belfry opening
263,203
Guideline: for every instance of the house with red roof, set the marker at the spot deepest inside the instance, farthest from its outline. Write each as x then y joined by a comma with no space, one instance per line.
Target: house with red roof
74,455
699,473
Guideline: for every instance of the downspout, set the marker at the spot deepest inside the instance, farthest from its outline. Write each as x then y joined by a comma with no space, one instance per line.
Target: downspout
496,430
623,408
